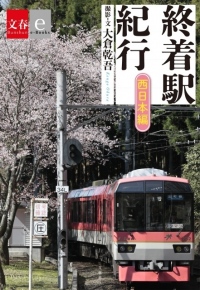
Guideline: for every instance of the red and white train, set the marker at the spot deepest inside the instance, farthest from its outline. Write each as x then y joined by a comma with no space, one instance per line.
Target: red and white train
142,225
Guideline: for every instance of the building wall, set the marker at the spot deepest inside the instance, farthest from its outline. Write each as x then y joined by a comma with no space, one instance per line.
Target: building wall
19,241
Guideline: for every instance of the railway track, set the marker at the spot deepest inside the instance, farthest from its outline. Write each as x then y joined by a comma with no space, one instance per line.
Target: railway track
94,275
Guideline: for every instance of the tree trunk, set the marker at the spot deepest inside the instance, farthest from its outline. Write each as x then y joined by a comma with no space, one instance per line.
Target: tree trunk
2,278
4,253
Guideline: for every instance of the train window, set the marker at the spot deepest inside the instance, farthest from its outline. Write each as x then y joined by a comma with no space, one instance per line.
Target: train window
136,186
75,211
178,212
71,211
84,211
154,212
154,186
177,187
94,205
130,212
91,211
163,206
79,211
104,211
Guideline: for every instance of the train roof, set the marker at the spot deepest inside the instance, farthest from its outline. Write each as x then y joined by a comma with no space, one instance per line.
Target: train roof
96,190
153,177
145,172
85,192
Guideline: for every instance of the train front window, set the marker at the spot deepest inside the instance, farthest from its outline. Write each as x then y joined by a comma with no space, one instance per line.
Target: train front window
154,206
130,212
154,212
178,212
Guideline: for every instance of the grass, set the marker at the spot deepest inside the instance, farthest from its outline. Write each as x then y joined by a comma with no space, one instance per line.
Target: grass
44,276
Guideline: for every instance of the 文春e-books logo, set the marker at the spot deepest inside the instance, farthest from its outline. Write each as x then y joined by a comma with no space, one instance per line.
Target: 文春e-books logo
23,24
40,24
17,24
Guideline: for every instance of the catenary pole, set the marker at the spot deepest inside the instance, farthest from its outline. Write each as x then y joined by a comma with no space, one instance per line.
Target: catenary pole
31,244
61,179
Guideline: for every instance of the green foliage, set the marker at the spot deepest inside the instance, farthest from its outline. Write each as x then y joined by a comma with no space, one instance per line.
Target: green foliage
174,125
58,10
21,3
191,171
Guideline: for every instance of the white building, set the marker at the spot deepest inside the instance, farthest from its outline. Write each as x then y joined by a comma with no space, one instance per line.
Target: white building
19,241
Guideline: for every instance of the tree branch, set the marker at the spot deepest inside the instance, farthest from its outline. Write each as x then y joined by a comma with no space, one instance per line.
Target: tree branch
20,168
3,180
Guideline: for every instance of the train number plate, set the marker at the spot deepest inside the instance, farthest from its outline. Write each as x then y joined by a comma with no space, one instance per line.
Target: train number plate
62,189
174,226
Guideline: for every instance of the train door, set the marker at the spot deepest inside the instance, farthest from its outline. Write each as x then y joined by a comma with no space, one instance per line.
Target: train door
99,221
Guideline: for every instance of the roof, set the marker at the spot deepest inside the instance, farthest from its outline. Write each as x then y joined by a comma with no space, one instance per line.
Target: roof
145,172
153,177
86,192
136,175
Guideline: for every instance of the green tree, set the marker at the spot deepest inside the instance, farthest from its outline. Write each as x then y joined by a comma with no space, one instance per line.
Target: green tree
186,122
191,171
58,10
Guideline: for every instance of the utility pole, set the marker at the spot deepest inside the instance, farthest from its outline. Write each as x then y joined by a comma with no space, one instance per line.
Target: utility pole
61,181
31,245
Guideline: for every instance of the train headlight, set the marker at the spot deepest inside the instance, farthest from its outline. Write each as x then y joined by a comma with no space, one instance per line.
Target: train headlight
122,248
186,249
130,249
181,248
126,248
178,249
